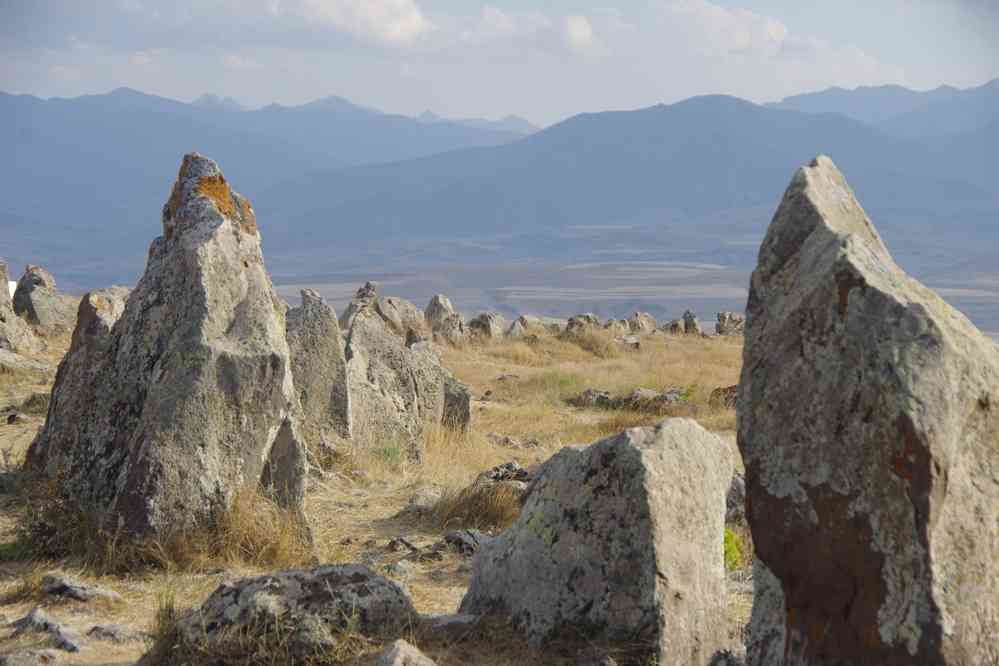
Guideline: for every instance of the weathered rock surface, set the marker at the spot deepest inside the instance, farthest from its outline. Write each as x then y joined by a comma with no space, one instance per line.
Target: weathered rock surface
63,586
444,321
401,653
15,363
319,369
15,334
366,298
691,326
582,322
642,322
39,622
488,325
624,538
735,501
401,315
190,396
868,421
730,323
314,605
38,302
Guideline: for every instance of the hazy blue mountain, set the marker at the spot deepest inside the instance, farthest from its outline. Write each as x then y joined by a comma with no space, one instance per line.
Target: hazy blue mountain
215,103
104,163
692,158
906,113
509,123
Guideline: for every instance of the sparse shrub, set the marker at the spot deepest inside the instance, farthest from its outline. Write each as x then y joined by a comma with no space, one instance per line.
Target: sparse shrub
597,343
482,506
738,550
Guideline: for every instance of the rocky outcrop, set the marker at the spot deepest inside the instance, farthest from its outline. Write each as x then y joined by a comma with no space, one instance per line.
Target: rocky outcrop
319,369
444,321
730,323
488,326
401,653
401,315
582,322
691,326
306,610
15,334
624,538
190,397
38,302
642,322
868,412
365,298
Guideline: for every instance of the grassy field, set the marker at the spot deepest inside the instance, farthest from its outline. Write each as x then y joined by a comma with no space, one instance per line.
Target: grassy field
521,392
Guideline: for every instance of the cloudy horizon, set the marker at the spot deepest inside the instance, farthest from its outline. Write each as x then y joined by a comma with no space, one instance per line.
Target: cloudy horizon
464,59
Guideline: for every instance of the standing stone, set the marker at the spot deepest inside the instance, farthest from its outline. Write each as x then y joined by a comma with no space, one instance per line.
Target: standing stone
730,323
190,397
675,327
869,425
366,297
319,368
15,334
401,315
642,322
41,305
444,321
488,325
624,538
690,324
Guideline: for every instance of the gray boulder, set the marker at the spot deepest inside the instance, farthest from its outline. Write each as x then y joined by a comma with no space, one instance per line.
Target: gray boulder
39,622
401,653
306,608
69,588
582,322
488,326
868,411
15,334
730,323
444,321
319,369
190,396
401,315
624,538
690,324
38,302
642,322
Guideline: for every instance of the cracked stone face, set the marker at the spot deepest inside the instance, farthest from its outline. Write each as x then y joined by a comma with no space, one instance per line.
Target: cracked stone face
869,428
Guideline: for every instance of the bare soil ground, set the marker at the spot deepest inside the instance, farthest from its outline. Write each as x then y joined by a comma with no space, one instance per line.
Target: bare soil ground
521,391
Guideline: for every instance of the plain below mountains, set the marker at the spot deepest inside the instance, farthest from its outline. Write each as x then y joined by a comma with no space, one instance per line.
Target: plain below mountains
667,188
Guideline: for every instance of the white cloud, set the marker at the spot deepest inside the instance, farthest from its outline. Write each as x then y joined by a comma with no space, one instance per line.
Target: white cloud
715,30
579,32
391,22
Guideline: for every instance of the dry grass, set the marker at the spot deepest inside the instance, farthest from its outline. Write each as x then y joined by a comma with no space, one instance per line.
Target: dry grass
355,511
482,506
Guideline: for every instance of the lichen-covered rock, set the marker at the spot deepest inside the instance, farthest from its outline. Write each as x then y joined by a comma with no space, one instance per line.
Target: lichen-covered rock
308,607
582,322
401,653
15,334
642,322
735,501
401,315
319,369
190,398
622,541
365,298
767,624
38,302
457,404
730,323
488,325
868,420
444,321
691,326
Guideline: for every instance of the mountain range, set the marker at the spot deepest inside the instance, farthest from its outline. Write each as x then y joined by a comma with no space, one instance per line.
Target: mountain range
344,192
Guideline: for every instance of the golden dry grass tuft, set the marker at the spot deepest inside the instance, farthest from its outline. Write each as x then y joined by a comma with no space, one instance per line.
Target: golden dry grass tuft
482,506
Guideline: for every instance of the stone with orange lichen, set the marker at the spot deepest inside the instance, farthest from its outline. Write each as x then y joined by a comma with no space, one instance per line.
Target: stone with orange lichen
160,418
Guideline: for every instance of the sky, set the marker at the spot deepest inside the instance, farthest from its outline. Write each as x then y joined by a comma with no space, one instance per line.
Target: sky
465,58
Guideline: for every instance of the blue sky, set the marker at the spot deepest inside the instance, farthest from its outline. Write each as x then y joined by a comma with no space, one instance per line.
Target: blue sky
460,58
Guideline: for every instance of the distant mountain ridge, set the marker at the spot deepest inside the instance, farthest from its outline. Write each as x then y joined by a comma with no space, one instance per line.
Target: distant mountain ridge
509,123
903,112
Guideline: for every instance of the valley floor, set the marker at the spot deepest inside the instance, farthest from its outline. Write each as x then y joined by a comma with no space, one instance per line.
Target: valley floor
521,393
